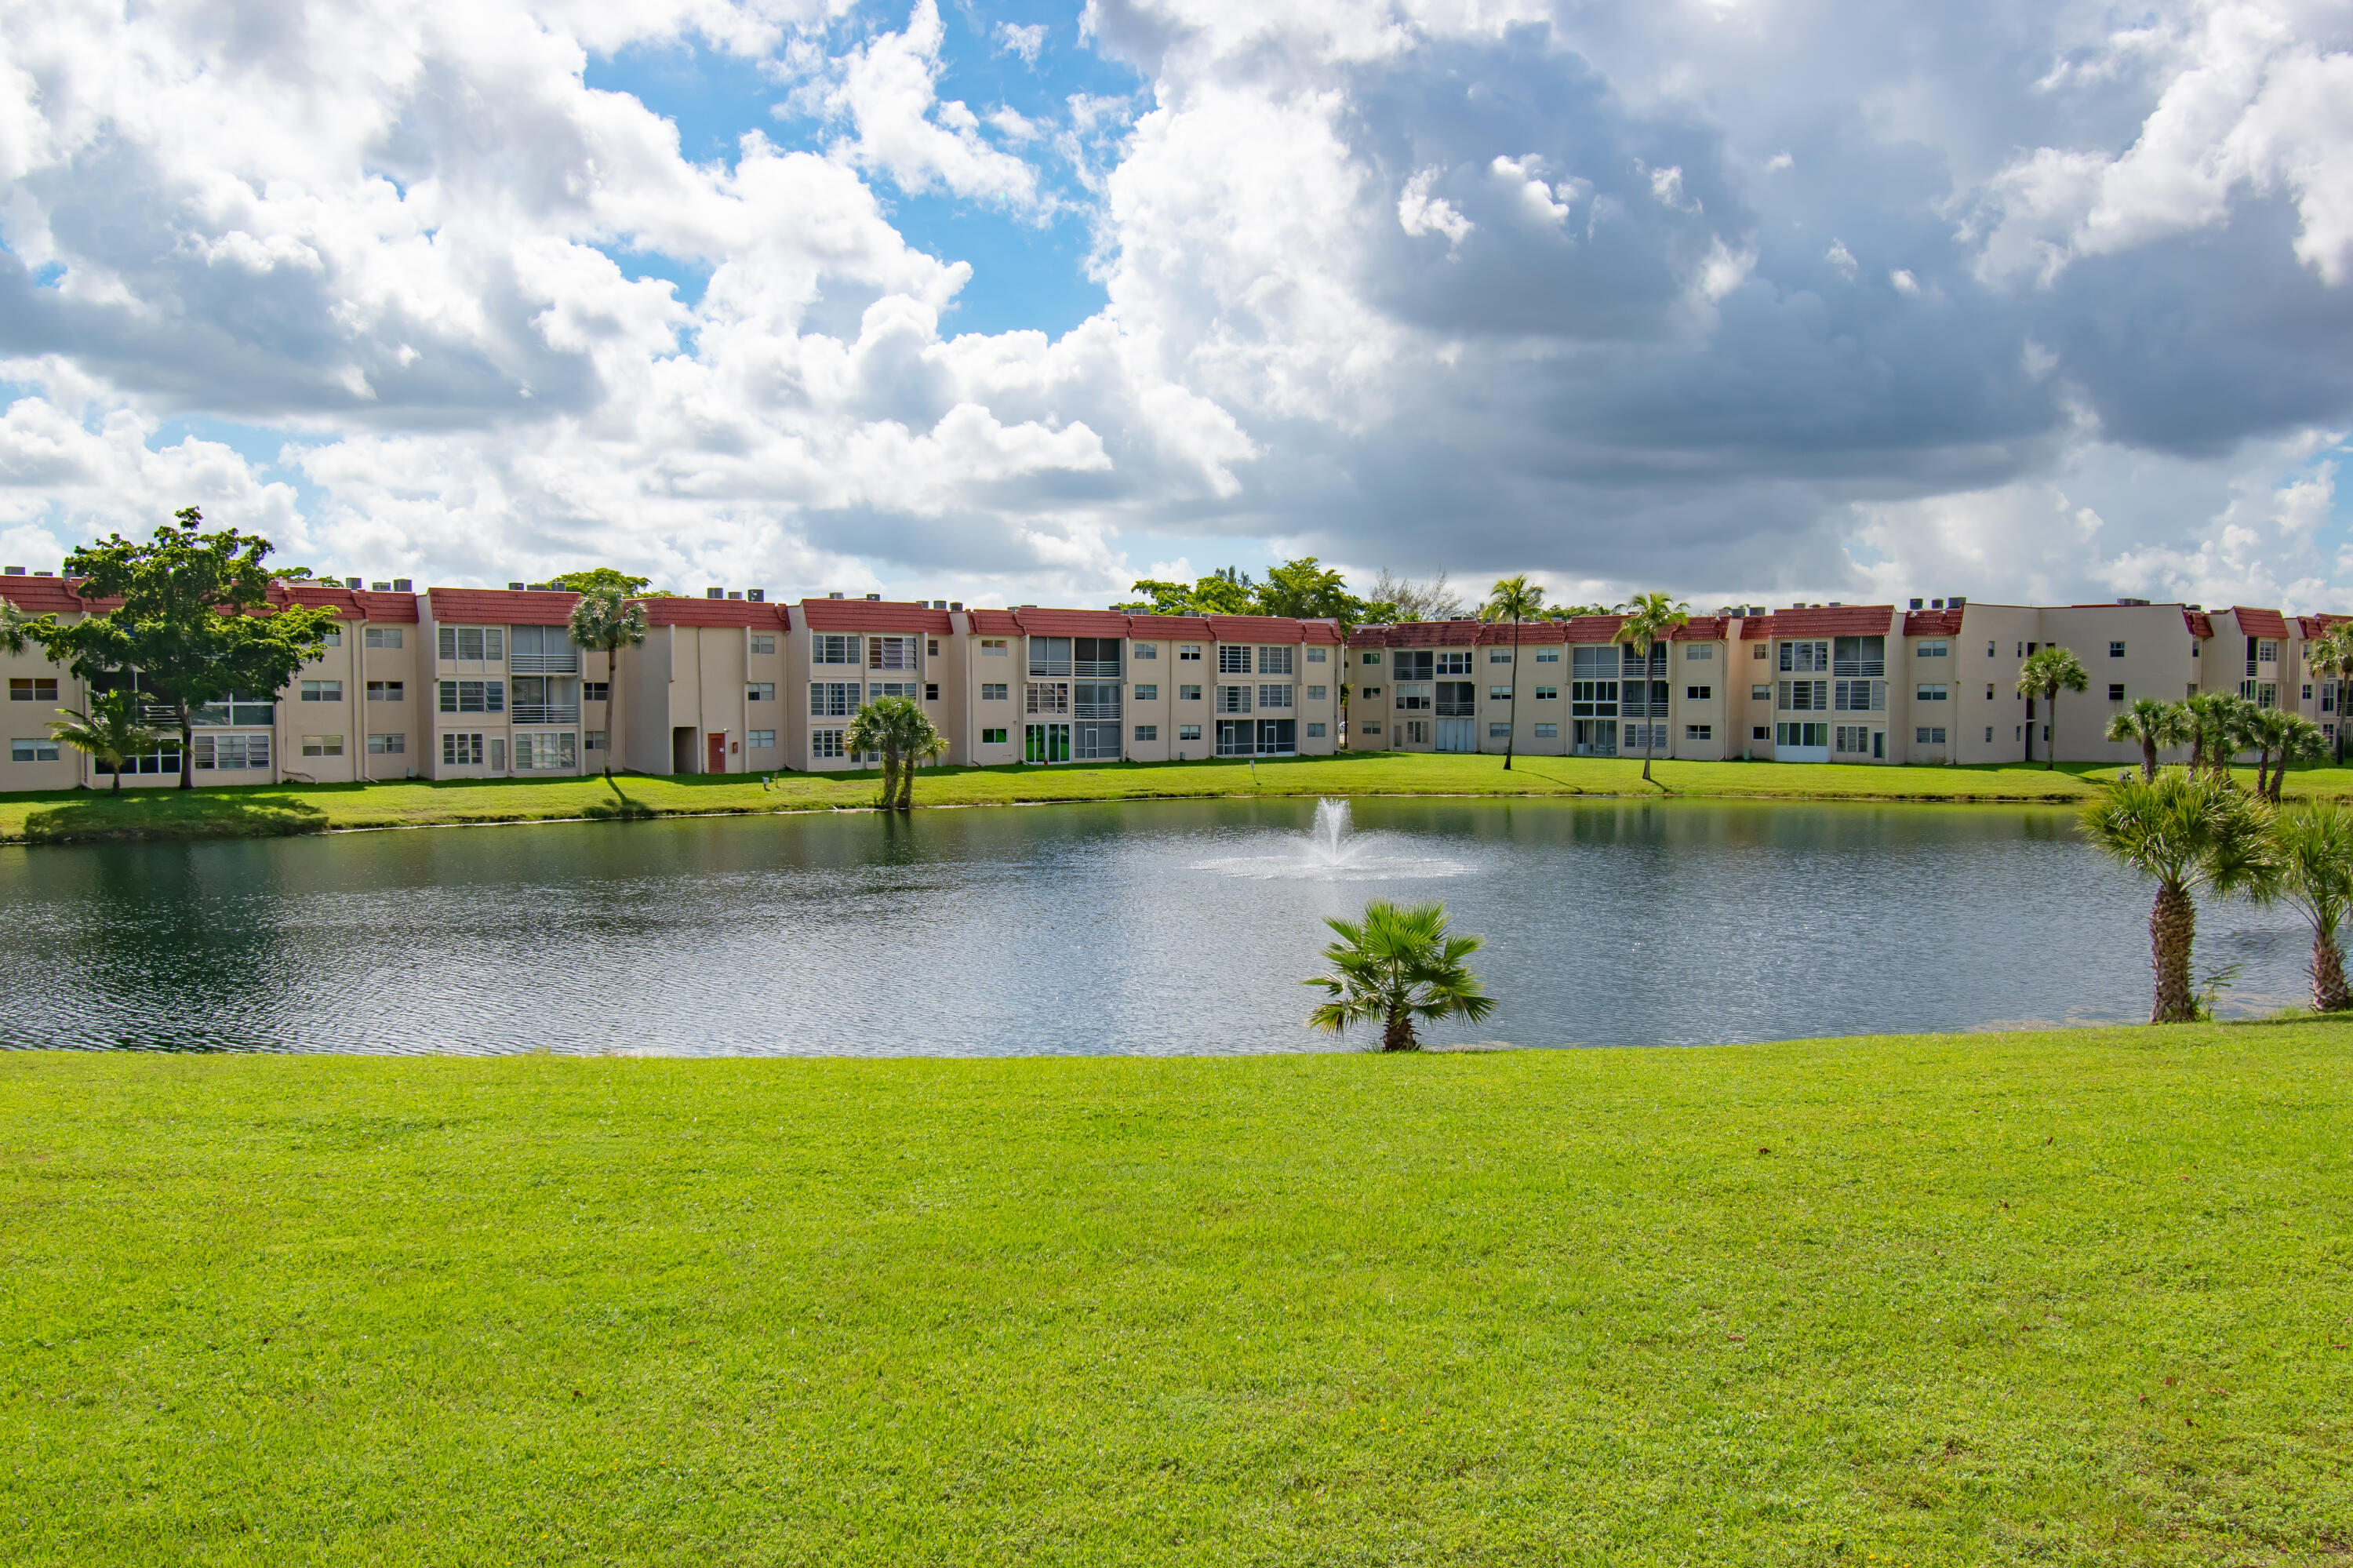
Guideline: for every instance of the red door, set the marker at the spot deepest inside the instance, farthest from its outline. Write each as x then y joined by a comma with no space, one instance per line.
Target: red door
718,754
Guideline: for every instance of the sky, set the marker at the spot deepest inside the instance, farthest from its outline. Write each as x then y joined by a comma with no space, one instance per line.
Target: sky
1751,300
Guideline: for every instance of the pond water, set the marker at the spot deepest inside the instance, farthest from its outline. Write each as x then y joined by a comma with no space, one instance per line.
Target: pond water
1149,928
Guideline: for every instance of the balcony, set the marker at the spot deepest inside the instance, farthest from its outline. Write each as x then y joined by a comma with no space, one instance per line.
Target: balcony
1456,707
1095,710
543,713
1095,669
567,663
1859,666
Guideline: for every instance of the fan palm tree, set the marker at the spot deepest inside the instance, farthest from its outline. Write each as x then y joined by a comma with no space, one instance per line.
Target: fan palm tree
2048,671
2151,725
1648,617
1396,965
111,733
2186,835
2233,718
2264,731
905,736
604,622
2294,738
1516,599
2199,717
2326,654
14,625
2313,849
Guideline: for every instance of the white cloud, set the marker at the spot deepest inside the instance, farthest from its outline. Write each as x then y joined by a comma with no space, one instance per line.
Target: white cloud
1420,213
1023,41
888,89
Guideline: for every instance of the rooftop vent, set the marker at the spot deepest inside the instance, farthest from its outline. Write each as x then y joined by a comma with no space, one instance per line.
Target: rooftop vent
1756,610
1955,602
350,582
756,595
403,585
2197,607
1916,603
1836,605
873,598
514,587
1940,603
939,604
734,593
955,604
833,595
12,571
45,574
380,587
2132,601
714,593
1025,607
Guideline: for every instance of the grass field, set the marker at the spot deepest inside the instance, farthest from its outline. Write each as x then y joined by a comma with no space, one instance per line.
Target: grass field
93,816
2075,1297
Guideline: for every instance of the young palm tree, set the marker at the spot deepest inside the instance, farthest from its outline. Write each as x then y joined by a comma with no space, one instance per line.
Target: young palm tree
2184,834
1394,966
2048,671
904,735
2232,718
604,622
2264,731
2313,847
2151,725
1517,600
111,733
2294,738
1648,617
2198,719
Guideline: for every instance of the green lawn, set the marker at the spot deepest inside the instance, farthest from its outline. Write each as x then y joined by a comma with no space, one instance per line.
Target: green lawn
2074,1298
70,816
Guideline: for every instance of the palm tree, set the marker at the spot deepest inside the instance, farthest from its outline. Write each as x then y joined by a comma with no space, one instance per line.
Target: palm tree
906,736
1394,966
2199,717
2330,654
2048,671
111,733
2295,739
2313,848
1648,617
1518,600
2265,731
2184,834
2232,718
604,622
2151,725
14,624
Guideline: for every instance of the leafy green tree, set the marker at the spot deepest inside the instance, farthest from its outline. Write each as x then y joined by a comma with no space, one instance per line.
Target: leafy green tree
2312,849
1394,966
15,628
111,733
2186,834
601,579
2048,671
2152,725
195,619
1517,600
1649,618
903,733
1226,592
1305,590
605,621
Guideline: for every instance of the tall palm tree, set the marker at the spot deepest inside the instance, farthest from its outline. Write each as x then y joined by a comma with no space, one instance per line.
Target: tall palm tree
1648,617
2184,834
1394,966
2328,655
2151,725
604,622
2265,732
906,736
1517,600
2048,671
2313,849
111,733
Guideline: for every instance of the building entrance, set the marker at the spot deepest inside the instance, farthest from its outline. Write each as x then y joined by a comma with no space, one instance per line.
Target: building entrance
1046,742
1458,735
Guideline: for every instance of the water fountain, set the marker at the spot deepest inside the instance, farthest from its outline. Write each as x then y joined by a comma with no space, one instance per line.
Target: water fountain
1333,851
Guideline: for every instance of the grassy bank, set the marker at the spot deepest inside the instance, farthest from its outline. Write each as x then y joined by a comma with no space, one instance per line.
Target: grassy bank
2075,1297
97,816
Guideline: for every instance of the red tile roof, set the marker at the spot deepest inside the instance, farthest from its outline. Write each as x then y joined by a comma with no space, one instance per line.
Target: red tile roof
1037,623
2260,622
1701,629
1932,623
502,607
874,615
2201,624
2311,626
351,604
1755,628
676,610
48,596
994,624
1174,627
1840,620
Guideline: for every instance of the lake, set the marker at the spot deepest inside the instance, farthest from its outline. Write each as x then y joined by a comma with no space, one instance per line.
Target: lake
1150,927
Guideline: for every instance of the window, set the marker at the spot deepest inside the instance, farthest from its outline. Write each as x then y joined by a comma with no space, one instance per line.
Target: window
1272,662
1413,664
1547,693
33,751
2267,651
992,738
1499,693
1805,696
1049,655
163,759
1499,655
764,643
1935,649
1989,732
1047,697
2117,691
384,691
1454,661
1370,728
760,692
1147,732
476,643
1988,691
1319,693
1853,738
995,691
2116,649
460,751
1699,732
891,653
1858,696
1929,734
474,697
1760,694
1698,653
1190,654
931,691
1150,651
1548,732
1315,731
595,691
549,752
40,689
232,753
1807,657
1760,732
1498,731
322,690
1368,691
334,639
384,636
760,740
1802,734
322,746
1867,655
1414,698
1147,694
1760,652
1190,695
825,743
1548,655
1929,694
889,689
1233,700
1315,655
1188,732
593,739
839,648
394,745
1698,694
993,648
833,699
1233,661
932,647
